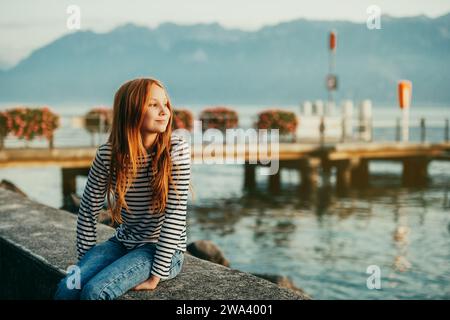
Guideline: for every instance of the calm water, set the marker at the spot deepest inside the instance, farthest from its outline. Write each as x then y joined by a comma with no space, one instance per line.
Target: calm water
323,241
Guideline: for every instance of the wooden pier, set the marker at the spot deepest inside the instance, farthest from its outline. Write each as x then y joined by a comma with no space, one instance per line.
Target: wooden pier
349,161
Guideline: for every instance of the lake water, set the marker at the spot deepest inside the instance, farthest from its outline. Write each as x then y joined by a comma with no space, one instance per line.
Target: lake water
324,241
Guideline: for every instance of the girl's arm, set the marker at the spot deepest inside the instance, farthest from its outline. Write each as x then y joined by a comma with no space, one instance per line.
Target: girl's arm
175,212
91,204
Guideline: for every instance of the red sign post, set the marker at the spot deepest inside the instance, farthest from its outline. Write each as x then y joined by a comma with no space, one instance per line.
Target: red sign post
404,93
333,40
331,80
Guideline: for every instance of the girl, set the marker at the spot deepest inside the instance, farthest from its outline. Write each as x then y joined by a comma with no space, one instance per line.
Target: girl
148,170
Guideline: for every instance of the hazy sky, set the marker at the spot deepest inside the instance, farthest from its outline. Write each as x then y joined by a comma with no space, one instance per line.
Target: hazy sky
27,25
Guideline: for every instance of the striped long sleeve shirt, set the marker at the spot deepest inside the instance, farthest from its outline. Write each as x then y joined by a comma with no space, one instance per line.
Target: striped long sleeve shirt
167,230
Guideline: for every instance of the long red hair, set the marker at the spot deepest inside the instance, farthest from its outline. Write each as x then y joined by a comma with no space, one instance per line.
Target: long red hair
128,151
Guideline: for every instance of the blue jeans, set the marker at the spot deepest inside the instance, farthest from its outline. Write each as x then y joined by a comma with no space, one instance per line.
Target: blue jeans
109,269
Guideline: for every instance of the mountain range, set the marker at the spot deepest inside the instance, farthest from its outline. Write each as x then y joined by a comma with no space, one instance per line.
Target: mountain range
209,64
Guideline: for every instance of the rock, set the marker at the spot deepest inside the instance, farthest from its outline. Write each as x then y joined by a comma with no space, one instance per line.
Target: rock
207,250
284,282
8,185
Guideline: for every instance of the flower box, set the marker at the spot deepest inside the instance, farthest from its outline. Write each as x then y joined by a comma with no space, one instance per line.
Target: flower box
285,121
221,118
98,120
26,123
182,119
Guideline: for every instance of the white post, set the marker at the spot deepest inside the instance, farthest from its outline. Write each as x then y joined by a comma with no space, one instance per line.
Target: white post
330,106
365,119
405,124
347,115
307,108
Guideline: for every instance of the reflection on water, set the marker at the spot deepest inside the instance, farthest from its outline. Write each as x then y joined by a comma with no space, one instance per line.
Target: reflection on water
325,241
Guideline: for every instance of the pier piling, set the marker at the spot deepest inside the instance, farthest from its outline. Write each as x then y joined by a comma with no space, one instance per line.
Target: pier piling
309,173
275,182
360,173
249,176
415,171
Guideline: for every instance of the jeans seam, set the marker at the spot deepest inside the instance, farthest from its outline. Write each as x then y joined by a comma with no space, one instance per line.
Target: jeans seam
120,276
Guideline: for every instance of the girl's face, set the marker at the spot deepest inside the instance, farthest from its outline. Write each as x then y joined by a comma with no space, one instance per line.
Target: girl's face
157,113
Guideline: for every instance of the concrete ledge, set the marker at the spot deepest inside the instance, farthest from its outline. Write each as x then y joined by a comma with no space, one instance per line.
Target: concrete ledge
37,244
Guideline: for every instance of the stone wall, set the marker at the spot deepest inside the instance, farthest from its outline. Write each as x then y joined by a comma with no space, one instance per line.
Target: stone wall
37,244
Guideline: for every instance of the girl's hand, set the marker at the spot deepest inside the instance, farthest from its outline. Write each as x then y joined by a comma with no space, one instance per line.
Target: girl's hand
149,284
